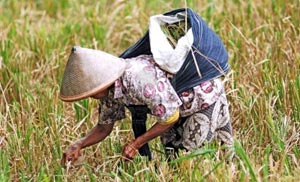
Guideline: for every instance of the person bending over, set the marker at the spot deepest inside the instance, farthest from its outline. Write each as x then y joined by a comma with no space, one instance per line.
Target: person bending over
184,121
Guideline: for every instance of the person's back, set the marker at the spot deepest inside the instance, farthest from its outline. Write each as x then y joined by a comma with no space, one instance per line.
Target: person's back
143,83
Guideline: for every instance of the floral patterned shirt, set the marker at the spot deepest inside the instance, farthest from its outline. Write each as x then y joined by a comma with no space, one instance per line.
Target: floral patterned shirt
201,97
144,83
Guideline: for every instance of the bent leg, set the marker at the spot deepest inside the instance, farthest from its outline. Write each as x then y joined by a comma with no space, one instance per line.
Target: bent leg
198,129
139,118
224,128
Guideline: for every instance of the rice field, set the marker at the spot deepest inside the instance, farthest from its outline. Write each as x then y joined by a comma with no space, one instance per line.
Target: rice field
263,87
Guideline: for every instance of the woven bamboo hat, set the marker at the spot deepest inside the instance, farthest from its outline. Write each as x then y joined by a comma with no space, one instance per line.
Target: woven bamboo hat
88,72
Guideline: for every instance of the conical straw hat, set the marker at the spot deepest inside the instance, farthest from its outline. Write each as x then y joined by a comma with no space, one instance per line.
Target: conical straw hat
88,72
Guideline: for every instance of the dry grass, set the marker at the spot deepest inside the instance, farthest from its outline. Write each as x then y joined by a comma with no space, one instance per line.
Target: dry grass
263,86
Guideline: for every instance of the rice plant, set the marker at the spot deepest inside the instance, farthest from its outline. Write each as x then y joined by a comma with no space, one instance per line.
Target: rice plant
36,37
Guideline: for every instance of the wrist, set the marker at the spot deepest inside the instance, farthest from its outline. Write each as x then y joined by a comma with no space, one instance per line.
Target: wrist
139,142
80,143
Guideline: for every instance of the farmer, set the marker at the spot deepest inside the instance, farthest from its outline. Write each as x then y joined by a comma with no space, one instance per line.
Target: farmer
183,121
190,109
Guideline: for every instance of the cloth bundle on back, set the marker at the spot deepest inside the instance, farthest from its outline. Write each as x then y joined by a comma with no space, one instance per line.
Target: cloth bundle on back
198,57
207,51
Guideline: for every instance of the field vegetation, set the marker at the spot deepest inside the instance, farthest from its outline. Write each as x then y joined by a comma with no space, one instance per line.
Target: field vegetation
263,87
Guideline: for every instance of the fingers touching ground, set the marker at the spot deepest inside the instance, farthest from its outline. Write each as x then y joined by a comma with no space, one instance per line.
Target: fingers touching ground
72,154
129,151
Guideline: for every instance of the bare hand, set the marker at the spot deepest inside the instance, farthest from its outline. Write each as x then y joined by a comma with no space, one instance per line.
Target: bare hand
130,150
71,154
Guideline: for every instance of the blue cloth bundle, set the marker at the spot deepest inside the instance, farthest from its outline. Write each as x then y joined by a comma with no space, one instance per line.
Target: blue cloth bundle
208,50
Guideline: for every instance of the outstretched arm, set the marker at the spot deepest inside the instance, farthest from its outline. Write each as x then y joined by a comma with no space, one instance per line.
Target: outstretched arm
97,134
156,130
131,149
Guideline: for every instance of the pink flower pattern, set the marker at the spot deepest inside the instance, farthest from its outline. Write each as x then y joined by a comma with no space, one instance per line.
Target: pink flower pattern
148,90
144,83
200,97
207,86
159,110
160,86
204,106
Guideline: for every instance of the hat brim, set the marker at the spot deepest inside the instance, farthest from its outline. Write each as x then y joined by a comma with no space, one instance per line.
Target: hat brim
90,92
88,72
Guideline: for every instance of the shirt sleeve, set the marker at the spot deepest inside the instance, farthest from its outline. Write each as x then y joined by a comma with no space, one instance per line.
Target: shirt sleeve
171,119
165,103
110,110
